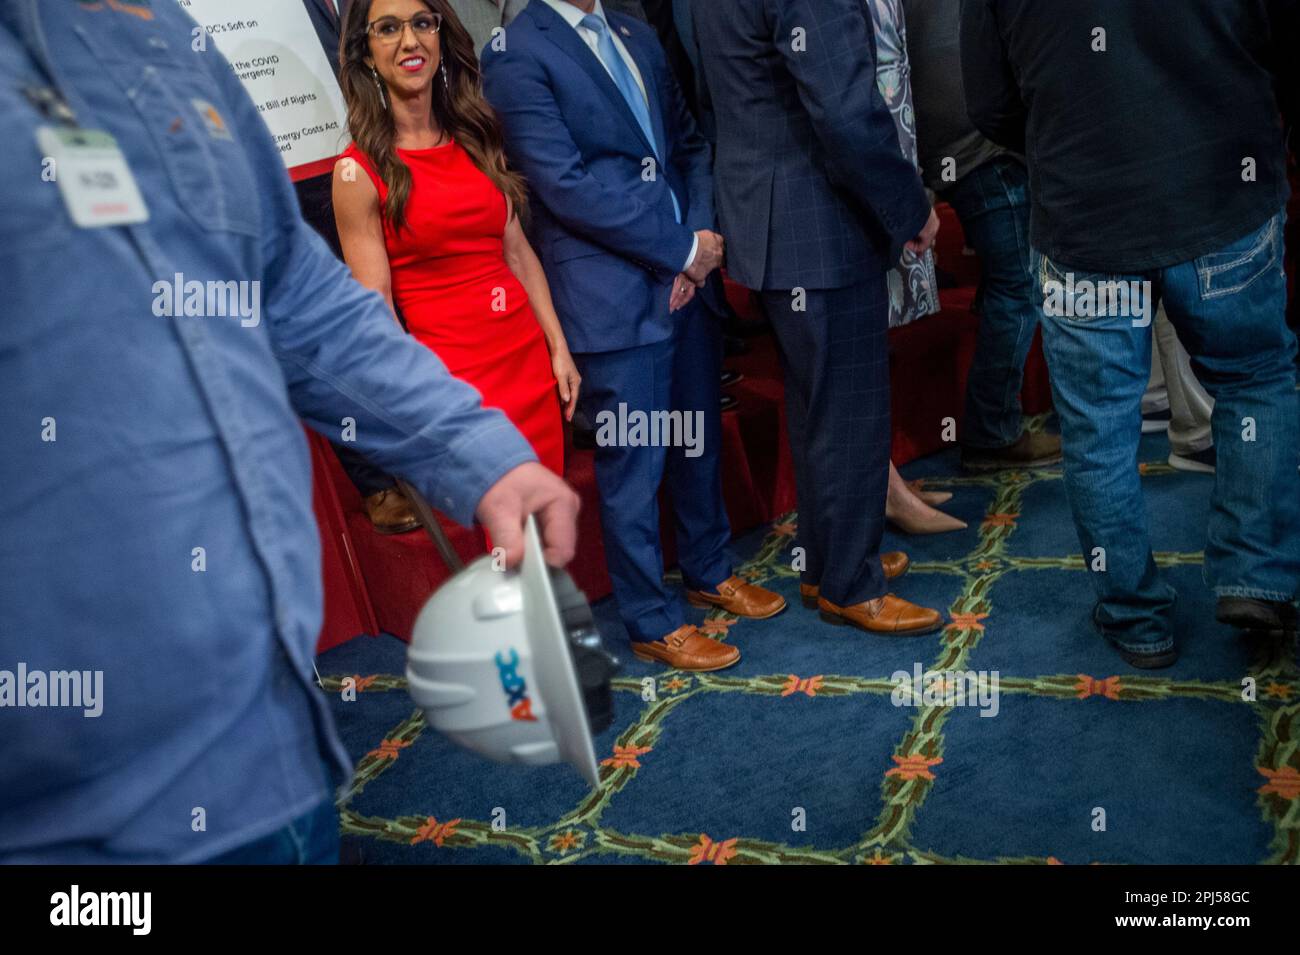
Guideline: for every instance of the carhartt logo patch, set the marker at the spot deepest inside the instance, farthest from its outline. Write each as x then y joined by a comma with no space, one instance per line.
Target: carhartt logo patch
213,121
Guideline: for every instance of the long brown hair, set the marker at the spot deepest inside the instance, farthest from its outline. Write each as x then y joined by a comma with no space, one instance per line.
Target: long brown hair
459,107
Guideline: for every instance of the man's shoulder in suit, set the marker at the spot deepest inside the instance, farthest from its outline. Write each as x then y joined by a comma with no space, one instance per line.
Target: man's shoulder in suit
538,13
627,24
630,28
521,35
527,29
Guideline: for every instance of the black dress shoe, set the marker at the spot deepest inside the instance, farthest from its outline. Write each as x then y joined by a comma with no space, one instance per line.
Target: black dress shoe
728,402
730,377
1249,613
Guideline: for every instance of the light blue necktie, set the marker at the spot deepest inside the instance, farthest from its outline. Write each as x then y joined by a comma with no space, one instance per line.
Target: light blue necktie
626,84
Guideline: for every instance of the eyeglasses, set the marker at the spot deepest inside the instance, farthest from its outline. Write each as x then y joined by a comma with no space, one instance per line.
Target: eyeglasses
390,29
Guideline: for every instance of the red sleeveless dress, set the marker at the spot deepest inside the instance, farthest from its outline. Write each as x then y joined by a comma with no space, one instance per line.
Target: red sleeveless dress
458,296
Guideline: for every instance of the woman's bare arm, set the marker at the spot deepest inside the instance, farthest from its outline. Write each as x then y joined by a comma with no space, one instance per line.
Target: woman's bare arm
361,229
523,262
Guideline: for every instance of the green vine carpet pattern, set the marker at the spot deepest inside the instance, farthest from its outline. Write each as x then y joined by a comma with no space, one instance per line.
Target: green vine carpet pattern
800,755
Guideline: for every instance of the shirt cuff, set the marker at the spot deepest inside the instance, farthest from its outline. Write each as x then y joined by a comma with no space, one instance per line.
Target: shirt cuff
476,462
690,259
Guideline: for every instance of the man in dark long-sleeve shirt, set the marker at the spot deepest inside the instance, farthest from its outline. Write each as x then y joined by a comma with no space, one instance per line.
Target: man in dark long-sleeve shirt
1154,138
1139,134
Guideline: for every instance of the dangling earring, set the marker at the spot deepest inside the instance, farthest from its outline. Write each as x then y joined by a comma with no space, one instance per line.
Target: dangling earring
383,98
445,84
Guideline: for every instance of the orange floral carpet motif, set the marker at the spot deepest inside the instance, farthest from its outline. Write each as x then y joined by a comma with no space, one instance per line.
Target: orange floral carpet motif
805,753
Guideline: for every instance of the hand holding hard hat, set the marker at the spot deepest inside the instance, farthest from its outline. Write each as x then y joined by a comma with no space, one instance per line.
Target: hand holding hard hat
510,663
531,489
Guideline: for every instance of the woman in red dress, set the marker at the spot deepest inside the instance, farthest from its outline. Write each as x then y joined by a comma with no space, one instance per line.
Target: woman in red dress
428,215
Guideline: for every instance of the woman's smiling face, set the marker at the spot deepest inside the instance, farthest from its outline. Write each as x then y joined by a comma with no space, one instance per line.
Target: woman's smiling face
405,54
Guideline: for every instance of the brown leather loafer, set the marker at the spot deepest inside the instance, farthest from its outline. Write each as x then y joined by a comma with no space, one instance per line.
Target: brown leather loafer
687,649
894,563
887,615
390,512
737,595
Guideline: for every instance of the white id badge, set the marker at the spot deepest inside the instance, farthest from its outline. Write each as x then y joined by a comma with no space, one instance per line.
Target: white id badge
93,176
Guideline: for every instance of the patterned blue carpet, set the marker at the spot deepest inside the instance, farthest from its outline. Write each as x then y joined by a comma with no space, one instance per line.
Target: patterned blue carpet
798,754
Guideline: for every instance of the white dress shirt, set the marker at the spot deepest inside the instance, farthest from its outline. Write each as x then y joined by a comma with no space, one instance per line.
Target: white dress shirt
573,16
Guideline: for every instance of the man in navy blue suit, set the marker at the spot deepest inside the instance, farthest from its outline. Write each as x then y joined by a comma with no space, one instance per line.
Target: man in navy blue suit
818,203
326,15
623,223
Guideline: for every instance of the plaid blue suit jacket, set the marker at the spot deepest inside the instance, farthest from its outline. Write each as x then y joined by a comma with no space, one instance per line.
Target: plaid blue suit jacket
811,185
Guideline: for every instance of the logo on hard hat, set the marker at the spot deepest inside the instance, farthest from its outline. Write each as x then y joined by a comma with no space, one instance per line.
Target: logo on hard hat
521,705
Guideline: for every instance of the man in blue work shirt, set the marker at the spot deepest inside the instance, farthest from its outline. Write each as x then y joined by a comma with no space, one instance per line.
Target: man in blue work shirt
156,351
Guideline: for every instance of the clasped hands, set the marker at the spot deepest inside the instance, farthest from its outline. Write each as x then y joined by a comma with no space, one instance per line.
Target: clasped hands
709,255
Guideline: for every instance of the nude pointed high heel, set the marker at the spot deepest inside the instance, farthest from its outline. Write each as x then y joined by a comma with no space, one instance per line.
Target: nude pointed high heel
933,498
935,522
910,512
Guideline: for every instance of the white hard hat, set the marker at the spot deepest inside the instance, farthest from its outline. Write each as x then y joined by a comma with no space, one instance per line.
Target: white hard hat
510,664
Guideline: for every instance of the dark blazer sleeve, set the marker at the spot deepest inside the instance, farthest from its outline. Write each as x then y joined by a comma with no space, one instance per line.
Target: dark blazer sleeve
992,95
836,79
691,155
326,31
539,143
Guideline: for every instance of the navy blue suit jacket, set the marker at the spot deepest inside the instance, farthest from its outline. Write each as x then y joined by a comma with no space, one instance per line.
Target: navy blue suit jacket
813,189
326,29
605,233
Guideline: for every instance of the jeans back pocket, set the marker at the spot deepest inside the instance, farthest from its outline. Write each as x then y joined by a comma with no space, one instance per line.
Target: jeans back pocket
1241,263
1091,297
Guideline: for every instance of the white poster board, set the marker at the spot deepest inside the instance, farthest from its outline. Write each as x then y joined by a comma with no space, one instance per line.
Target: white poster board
277,55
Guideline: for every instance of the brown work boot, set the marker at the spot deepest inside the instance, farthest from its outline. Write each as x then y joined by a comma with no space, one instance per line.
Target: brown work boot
390,512
1031,450
737,595
894,564
887,615
687,649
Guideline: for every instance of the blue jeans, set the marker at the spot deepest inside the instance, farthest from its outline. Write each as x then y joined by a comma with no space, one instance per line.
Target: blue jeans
992,203
311,839
1229,310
